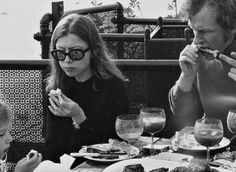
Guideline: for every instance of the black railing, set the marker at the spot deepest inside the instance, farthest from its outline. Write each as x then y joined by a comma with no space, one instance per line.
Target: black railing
119,42
58,11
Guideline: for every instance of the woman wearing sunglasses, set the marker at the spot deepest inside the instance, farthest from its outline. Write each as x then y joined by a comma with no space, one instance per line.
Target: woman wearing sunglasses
92,92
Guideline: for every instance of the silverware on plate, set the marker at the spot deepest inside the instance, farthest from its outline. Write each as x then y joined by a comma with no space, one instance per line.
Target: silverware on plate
96,155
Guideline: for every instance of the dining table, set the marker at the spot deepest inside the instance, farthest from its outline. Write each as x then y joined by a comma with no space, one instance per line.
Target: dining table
93,166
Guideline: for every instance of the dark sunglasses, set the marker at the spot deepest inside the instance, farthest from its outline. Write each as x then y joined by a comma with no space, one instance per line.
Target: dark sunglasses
75,54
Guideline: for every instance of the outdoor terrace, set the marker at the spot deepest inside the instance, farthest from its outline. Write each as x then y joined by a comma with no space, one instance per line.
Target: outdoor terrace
148,56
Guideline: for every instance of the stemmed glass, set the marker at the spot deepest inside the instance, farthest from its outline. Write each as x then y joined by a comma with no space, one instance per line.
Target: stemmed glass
231,122
208,132
154,120
129,127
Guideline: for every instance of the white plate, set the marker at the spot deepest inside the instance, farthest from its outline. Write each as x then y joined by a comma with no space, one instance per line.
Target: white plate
224,142
194,146
147,163
134,152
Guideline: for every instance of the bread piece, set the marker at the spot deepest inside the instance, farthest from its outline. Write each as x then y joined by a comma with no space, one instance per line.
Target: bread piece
56,92
31,154
118,145
134,168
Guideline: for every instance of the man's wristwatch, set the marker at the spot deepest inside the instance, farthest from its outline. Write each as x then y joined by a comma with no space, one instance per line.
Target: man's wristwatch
76,125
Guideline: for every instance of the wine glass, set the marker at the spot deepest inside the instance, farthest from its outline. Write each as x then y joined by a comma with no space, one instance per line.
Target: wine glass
231,122
208,132
154,120
129,127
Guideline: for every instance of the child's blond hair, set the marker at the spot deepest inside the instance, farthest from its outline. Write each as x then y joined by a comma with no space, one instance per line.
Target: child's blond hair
5,114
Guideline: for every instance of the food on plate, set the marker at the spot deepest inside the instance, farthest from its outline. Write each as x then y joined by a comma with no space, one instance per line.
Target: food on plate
104,150
113,151
162,169
118,145
227,155
199,165
134,168
94,149
226,159
181,169
56,92
186,140
209,54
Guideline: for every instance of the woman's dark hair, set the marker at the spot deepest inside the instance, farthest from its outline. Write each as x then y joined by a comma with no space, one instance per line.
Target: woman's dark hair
101,63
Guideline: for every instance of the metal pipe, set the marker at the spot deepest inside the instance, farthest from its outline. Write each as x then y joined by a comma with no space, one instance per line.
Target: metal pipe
44,35
122,37
57,12
5,64
44,23
98,9
150,21
44,26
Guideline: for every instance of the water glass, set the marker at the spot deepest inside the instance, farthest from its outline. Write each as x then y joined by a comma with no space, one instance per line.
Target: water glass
129,127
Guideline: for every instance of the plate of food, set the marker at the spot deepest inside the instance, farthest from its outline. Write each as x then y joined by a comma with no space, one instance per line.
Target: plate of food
188,142
157,165
143,165
107,152
225,159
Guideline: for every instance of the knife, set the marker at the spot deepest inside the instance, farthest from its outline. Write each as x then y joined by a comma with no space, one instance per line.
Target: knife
96,155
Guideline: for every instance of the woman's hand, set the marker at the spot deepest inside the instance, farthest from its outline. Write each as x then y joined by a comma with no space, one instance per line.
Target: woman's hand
232,61
28,164
63,106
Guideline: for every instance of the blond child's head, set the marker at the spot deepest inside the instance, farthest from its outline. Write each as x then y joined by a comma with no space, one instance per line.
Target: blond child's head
5,137
5,114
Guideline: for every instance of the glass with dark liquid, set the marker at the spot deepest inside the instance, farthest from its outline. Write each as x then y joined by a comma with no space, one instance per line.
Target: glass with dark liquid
208,132
154,120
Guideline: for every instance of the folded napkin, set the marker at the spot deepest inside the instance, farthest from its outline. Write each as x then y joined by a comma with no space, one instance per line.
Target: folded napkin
48,166
176,157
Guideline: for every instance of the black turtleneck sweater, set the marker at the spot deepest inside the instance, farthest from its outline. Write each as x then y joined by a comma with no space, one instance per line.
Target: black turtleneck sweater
101,106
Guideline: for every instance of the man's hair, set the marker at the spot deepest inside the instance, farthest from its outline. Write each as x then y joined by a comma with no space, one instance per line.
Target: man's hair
5,114
226,11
